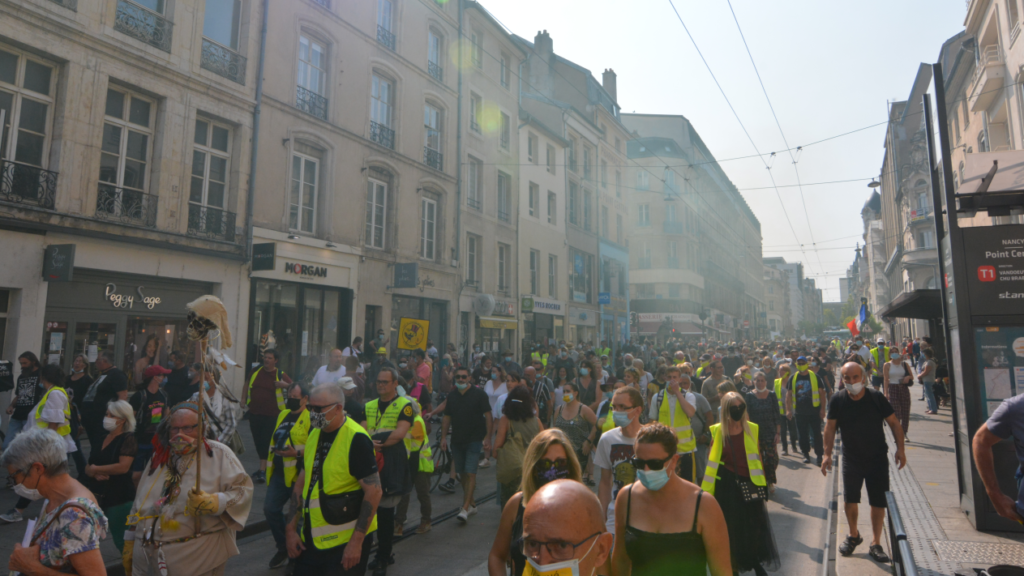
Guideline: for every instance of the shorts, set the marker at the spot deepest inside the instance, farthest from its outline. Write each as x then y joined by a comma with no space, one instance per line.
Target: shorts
467,457
686,468
142,457
876,478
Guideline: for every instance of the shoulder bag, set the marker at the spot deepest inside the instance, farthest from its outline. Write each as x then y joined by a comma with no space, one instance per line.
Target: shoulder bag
510,457
749,491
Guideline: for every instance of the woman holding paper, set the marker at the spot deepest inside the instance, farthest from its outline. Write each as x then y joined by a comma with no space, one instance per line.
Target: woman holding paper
67,535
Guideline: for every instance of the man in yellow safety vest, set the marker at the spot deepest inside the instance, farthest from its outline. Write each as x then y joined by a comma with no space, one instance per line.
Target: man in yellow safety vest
329,534
808,408
674,407
879,356
263,397
287,445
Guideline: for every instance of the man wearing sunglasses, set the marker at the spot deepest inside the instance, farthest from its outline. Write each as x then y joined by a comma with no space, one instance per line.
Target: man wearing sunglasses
468,414
564,531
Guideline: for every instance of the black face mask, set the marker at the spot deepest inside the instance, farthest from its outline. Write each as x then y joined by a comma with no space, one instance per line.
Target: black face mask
547,470
736,412
292,404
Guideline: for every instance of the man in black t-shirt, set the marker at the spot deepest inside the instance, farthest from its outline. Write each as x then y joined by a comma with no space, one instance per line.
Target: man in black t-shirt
179,386
857,413
111,384
483,372
27,393
150,406
468,414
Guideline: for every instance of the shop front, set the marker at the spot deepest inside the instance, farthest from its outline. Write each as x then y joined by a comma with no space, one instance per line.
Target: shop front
435,311
140,318
583,325
543,320
496,332
300,305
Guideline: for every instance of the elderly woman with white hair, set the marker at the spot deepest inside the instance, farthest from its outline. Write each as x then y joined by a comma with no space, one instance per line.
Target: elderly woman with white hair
68,533
110,468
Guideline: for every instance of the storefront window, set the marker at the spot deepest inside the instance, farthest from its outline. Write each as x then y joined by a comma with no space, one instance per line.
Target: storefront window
312,326
55,343
91,339
276,322
150,341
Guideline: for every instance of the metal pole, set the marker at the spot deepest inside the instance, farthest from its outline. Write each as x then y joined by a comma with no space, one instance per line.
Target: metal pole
251,194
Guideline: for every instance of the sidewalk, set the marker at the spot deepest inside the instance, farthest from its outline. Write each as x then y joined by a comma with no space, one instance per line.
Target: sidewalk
942,539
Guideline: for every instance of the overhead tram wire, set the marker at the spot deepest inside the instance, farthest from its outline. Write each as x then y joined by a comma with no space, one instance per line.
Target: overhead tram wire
713,77
778,124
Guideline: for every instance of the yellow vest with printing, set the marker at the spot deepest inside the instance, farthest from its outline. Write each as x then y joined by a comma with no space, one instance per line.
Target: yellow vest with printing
782,399
337,480
278,392
537,356
878,364
715,458
680,424
298,435
65,428
815,393
702,367
426,463
388,421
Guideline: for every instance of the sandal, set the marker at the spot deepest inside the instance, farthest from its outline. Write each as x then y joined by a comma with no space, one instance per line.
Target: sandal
876,552
850,544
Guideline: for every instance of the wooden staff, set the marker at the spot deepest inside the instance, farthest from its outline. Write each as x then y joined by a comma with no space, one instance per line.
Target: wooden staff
201,349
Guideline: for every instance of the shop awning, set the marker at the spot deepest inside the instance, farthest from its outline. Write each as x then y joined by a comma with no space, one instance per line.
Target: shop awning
494,322
923,304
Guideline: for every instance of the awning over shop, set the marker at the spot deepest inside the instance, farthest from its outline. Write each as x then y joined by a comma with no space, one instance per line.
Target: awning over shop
492,322
925,304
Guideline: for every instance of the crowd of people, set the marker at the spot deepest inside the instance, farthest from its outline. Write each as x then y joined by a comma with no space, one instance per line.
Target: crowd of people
665,455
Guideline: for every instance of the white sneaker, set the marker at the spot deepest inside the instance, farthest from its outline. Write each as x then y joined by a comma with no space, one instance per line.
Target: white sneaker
472,510
13,516
463,515
485,463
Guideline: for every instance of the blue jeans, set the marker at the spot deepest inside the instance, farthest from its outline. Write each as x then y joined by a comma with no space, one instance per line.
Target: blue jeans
273,507
14,427
929,395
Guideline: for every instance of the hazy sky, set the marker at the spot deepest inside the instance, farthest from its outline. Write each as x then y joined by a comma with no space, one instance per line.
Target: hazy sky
829,68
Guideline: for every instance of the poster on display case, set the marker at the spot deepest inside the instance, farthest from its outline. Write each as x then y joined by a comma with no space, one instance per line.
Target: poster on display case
1000,354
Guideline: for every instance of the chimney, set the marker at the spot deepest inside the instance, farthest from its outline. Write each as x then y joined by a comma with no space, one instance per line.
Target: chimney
542,42
608,81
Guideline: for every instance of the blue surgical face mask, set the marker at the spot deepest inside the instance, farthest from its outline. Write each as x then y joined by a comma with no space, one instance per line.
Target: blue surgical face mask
653,479
584,371
607,395
621,418
508,358
461,386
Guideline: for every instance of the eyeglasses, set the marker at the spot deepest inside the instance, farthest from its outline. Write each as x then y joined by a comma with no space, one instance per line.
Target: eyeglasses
654,464
557,550
462,376
622,408
319,409
383,382
176,429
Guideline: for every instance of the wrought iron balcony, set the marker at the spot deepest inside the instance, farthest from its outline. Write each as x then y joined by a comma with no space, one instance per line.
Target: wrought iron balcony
433,158
210,222
382,135
385,37
435,71
223,61
69,4
25,184
474,203
310,102
503,215
144,25
126,206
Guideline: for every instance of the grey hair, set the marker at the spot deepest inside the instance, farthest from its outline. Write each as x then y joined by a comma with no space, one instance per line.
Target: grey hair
332,390
394,373
40,445
122,409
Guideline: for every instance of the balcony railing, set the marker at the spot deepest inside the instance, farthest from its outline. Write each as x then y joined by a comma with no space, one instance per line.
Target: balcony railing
382,135
25,184
144,25
223,61
503,215
126,206
474,203
310,102
433,158
436,71
385,37
210,222
69,4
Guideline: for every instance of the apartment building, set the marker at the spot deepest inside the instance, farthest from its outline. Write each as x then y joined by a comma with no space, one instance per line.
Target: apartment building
776,296
488,216
124,173
695,245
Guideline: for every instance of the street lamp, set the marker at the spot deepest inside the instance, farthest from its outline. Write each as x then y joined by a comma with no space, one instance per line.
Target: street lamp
874,183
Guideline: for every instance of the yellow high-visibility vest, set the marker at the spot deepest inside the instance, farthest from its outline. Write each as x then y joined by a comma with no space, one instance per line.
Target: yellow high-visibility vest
878,365
299,433
336,480
63,429
715,458
815,393
680,424
426,463
782,399
278,392
388,421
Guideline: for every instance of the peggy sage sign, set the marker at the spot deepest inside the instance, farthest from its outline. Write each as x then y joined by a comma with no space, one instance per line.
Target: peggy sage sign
995,269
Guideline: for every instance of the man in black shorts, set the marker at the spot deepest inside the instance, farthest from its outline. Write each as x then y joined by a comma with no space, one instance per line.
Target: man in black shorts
858,412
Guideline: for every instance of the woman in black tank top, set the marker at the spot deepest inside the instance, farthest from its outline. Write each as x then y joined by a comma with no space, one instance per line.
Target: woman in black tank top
676,530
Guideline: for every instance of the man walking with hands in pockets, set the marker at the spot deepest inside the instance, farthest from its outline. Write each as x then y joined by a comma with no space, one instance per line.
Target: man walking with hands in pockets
858,412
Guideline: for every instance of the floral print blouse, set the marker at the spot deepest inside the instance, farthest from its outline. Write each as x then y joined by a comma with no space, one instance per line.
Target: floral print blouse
75,530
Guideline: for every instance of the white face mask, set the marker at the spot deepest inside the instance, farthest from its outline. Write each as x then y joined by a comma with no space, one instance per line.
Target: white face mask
109,424
855,389
29,493
566,568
